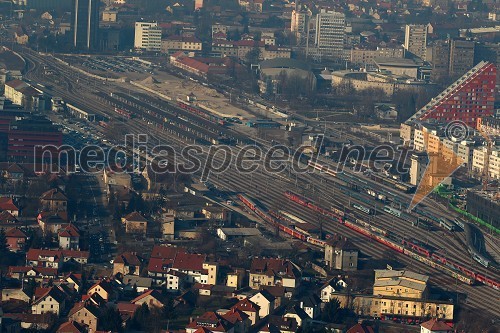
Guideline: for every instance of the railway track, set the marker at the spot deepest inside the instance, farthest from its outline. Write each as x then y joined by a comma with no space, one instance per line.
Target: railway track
477,295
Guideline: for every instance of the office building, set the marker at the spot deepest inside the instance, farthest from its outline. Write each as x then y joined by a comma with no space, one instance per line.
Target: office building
147,36
299,23
440,60
395,283
330,33
85,24
461,57
416,40
467,99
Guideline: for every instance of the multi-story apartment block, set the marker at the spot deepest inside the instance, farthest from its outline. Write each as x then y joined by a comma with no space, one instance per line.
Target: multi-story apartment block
416,40
467,99
480,159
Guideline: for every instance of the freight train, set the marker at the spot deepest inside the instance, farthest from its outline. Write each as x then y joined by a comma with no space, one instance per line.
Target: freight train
399,244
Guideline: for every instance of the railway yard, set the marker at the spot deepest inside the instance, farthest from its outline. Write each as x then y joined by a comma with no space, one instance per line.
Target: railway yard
429,240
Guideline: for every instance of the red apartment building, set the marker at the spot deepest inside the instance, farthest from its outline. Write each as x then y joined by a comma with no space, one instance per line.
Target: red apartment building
470,97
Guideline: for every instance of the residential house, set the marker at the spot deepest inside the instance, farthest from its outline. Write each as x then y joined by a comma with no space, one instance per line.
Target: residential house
126,310
210,322
265,301
16,239
153,298
71,327
15,294
297,313
54,200
80,257
7,220
341,254
69,237
141,284
74,280
435,326
36,273
44,258
104,289
279,293
86,314
280,324
175,280
135,223
271,272
52,300
239,319
52,222
328,290
235,279
248,307
127,263
360,328
311,304
7,205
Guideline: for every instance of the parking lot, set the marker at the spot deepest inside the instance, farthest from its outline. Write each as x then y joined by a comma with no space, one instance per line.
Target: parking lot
110,65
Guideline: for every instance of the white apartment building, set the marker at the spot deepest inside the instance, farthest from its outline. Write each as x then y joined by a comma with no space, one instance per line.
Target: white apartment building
147,36
479,161
330,33
416,39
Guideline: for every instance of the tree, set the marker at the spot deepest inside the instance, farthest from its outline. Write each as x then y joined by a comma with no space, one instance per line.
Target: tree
253,56
141,317
111,321
331,311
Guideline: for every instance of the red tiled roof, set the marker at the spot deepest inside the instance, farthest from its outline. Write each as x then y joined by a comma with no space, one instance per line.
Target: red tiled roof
16,84
234,315
54,194
246,305
35,254
194,64
6,217
135,217
358,328
47,271
166,252
76,254
152,292
15,233
69,231
70,327
7,204
272,267
124,307
189,261
435,325
213,321
128,258
158,265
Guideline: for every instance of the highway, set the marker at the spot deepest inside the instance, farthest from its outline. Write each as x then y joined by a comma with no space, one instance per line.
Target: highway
268,188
